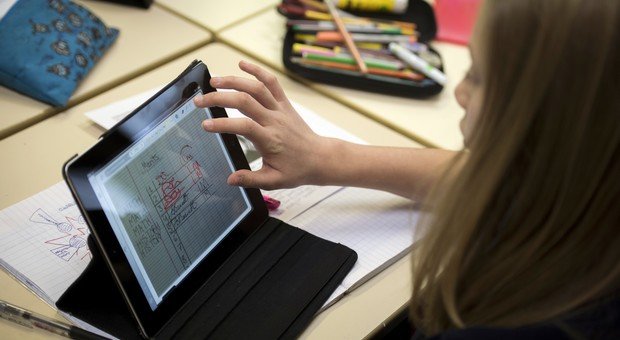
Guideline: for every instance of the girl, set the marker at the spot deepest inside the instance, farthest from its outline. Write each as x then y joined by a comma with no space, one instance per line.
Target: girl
524,239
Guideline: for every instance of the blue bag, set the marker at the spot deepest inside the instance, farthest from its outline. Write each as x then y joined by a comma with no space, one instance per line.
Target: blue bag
48,46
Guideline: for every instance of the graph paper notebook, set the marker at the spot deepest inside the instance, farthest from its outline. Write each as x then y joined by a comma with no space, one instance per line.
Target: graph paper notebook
190,255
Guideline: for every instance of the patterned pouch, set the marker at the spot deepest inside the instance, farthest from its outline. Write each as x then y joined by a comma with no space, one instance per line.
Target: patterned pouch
48,46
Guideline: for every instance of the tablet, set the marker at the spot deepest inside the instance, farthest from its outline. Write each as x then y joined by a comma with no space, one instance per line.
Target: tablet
153,191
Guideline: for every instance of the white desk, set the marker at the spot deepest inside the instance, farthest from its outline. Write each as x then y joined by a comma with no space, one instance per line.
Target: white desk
216,15
147,39
33,159
433,121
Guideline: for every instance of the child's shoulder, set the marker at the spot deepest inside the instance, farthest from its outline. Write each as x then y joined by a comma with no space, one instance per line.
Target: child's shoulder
598,320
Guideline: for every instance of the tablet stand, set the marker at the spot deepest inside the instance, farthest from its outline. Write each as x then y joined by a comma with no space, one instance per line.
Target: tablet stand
271,287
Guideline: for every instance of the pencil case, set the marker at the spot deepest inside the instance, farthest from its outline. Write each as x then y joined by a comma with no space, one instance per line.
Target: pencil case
418,12
48,47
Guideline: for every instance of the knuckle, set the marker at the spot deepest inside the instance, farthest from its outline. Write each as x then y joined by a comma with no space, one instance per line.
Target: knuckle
274,147
257,87
218,125
215,97
248,126
269,79
244,99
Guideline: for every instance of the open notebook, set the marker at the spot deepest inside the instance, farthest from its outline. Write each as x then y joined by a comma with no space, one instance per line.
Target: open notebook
42,239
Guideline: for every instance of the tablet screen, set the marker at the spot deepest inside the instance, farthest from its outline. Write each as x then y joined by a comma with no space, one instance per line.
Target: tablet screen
167,199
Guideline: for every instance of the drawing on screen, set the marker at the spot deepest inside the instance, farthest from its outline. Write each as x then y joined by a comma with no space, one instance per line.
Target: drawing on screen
71,244
145,233
169,189
178,194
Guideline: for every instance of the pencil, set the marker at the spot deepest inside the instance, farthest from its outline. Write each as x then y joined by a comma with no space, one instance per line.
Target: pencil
357,37
347,37
346,59
406,74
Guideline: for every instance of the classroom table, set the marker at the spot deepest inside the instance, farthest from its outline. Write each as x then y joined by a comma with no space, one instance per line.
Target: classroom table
33,158
432,121
216,15
147,39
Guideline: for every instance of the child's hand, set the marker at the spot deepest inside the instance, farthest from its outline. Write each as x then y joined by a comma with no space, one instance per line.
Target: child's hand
290,149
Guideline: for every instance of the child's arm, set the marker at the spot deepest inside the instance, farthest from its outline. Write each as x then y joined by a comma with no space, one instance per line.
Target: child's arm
294,155
408,172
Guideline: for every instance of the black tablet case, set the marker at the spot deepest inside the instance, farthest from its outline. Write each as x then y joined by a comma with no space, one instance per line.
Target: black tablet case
271,287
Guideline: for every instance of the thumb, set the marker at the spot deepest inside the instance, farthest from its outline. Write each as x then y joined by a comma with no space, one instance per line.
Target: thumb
262,179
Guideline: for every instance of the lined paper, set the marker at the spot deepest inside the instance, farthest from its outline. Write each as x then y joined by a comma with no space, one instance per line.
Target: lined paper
43,238
378,226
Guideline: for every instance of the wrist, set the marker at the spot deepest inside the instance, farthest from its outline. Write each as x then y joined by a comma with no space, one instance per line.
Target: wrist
327,162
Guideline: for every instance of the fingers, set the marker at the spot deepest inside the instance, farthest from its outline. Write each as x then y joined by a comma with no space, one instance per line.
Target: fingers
238,126
236,100
255,88
264,178
270,81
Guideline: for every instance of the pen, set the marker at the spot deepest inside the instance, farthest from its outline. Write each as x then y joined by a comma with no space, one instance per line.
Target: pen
31,320
418,63
347,37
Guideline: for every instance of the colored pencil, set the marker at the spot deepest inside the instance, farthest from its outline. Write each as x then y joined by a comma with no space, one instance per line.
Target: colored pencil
406,74
346,36
347,59
381,38
317,25
311,39
350,28
298,48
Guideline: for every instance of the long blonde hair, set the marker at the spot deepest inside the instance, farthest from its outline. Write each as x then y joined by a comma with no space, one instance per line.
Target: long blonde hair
529,227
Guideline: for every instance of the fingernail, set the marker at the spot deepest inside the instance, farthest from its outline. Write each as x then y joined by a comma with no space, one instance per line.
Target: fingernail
198,100
207,124
215,81
233,182
235,179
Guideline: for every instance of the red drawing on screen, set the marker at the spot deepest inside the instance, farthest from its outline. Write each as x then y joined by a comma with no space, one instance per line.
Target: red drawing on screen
193,168
197,174
169,189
